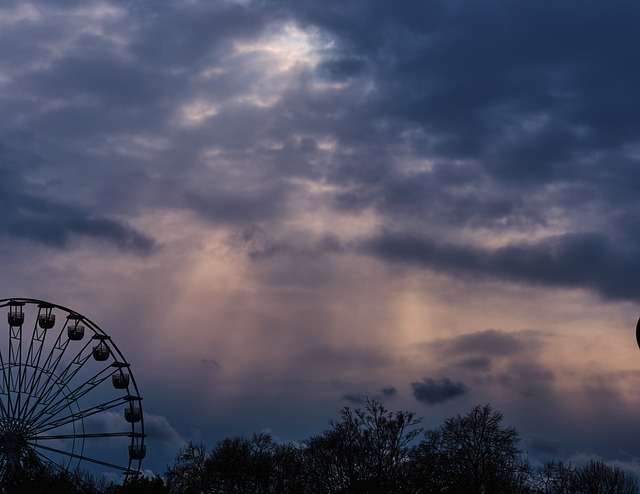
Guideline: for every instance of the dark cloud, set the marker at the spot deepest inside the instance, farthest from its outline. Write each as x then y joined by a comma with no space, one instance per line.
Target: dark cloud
354,398
89,81
432,392
500,359
52,223
237,206
186,38
363,357
361,399
545,446
483,343
211,362
481,364
340,69
587,260
529,378
389,391
159,428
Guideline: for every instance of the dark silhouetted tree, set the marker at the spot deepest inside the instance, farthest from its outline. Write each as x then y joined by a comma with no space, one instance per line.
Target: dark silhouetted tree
140,485
43,479
187,475
373,451
596,477
288,472
241,465
364,452
237,465
554,478
471,454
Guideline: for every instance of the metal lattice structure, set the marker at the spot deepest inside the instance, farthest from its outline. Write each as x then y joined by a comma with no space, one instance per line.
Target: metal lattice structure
68,397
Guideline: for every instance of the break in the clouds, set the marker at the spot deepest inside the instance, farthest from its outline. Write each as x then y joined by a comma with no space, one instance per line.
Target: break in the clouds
271,204
433,391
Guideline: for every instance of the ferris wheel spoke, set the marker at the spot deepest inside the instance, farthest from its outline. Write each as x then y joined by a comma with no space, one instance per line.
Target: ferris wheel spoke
53,408
33,412
38,388
4,412
75,364
67,373
51,462
55,355
18,359
77,456
36,341
15,357
48,424
84,436
50,392
64,396
8,370
4,390
50,366
44,322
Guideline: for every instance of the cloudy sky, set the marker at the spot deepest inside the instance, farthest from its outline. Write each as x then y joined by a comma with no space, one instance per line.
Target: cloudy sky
277,207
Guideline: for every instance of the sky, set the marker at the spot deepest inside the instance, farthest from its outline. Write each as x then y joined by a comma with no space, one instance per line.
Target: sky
276,208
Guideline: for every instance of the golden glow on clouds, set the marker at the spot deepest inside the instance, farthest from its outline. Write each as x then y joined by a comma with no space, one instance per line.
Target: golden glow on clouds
138,146
272,145
197,112
326,143
268,62
257,99
287,48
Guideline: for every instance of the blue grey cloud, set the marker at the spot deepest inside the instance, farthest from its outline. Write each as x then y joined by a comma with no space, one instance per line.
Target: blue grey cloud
572,260
489,342
480,364
431,391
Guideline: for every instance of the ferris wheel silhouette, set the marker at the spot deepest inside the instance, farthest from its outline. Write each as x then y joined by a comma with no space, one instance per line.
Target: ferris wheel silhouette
68,397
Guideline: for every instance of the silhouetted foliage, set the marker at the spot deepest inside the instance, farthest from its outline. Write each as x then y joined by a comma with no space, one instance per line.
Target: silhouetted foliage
140,485
187,476
473,454
365,451
554,478
596,477
37,478
241,465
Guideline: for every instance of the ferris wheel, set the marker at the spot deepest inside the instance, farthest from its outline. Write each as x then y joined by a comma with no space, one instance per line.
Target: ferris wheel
68,398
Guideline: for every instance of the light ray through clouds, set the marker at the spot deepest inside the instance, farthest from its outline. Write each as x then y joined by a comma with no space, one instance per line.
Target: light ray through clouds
278,207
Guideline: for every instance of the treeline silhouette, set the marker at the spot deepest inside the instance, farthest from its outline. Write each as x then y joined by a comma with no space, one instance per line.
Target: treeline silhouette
367,451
